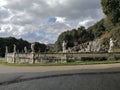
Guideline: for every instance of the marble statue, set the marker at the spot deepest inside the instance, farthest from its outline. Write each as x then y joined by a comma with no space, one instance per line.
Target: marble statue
14,48
25,49
64,46
32,47
111,45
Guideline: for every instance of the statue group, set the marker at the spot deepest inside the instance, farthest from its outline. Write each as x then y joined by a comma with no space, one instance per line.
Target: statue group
92,46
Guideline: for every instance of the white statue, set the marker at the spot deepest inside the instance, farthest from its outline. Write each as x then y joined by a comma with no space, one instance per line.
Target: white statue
64,46
111,45
6,49
25,49
14,48
32,47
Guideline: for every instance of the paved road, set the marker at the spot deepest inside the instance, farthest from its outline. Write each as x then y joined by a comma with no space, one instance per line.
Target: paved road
90,77
17,69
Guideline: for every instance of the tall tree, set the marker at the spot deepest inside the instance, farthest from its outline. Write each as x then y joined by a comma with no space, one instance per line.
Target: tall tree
112,9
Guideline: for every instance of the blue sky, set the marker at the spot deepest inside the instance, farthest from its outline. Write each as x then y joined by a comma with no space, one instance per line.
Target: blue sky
44,20
52,20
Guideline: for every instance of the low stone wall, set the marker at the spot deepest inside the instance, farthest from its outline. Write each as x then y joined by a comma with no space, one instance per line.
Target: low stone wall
57,57
9,58
19,58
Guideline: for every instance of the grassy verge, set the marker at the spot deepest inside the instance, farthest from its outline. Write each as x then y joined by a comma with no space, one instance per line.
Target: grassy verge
117,50
1,61
68,64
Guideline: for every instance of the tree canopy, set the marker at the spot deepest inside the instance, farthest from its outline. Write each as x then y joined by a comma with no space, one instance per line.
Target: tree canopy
20,43
112,9
79,35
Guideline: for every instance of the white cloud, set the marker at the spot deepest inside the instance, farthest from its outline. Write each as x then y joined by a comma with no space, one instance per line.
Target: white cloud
28,19
3,2
54,3
6,28
85,22
60,19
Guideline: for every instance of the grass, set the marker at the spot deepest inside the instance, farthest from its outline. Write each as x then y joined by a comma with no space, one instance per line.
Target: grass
1,61
67,64
117,50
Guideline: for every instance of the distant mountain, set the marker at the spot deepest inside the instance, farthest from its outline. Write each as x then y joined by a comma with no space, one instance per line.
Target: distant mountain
50,45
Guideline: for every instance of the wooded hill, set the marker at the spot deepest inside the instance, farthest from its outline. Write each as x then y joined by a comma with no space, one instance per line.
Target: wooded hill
104,29
20,44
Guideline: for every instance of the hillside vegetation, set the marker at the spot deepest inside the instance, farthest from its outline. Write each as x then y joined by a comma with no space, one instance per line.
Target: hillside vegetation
20,44
106,28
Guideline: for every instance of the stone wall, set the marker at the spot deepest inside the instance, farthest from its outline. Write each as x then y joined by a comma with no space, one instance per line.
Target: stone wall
19,58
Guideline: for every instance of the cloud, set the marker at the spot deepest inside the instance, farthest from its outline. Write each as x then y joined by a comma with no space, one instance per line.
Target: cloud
44,20
60,19
3,2
87,22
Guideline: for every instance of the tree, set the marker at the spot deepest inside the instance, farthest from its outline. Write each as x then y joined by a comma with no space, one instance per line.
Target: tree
79,35
112,9
98,29
20,43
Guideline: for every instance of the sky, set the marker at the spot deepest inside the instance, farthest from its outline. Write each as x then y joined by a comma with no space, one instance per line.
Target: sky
44,20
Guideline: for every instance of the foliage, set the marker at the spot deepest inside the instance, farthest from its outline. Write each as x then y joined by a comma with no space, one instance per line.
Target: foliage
112,9
98,29
20,43
40,47
105,41
79,35
108,25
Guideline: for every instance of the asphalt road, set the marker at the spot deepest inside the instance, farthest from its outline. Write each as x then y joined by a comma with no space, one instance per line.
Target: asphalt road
71,79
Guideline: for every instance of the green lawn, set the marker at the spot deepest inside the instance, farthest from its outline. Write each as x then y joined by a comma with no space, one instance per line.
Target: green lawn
1,61
67,64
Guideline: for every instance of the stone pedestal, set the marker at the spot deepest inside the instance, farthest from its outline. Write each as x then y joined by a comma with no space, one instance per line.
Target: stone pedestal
32,60
63,57
6,58
6,55
111,56
14,57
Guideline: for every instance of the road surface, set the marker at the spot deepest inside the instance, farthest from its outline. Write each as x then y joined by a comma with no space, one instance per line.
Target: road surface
80,77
